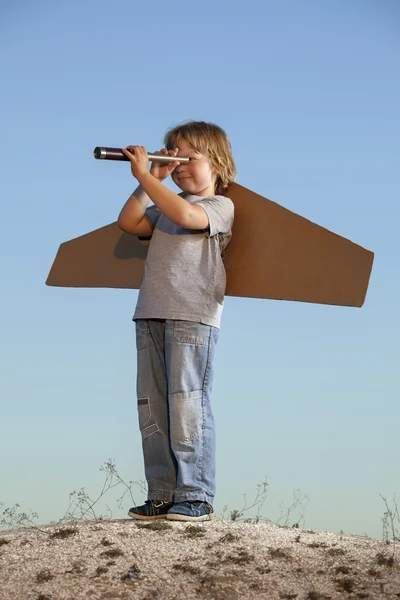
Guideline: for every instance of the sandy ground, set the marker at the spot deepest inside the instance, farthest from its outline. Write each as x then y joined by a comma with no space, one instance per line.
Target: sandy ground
216,560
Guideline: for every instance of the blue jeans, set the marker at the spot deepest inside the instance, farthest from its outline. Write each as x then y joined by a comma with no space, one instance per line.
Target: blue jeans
174,383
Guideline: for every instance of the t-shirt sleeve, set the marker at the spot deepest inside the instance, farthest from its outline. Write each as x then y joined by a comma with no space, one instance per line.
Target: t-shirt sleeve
153,213
220,212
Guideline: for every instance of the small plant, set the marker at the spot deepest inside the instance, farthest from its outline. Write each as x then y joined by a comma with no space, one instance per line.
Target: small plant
258,502
44,575
336,552
228,537
187,569
3,542
242,557
381,559
77,568
105,542
347,585
61,534
279,553
132,574
100,571
391,521
193,531
159,525
12,517
263,570
112,553
342,569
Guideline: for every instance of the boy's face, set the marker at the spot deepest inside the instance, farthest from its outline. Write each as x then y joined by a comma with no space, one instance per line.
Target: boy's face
197,176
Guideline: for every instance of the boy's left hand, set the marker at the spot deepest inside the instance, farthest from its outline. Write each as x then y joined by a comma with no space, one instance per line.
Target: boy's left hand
139,160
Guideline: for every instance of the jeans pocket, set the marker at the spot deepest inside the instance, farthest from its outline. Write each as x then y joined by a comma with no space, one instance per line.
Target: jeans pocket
142,332
145,425
144,412
186,415
189,332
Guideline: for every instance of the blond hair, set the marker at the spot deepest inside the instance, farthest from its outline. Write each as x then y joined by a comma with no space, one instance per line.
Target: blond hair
211,141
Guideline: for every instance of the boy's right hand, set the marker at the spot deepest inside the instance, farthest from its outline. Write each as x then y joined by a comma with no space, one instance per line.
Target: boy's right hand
161,170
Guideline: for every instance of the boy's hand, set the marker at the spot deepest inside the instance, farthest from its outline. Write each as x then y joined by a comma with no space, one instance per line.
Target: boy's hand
139,160
160,170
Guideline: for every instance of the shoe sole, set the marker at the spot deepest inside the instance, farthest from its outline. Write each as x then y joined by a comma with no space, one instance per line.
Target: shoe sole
177,517
146,518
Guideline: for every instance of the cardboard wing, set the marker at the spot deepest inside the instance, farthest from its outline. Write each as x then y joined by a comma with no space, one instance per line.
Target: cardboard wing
274,253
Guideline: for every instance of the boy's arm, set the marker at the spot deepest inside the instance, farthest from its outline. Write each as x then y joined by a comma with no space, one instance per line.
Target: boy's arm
132,216
175,208
170,204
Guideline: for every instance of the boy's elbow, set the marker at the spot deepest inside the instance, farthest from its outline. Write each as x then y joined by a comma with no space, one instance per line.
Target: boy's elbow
125,226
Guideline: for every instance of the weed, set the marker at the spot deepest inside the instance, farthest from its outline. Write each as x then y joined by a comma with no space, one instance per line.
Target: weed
105,542
391,521
299,503
317,596
317,545
279,553
228,537
81,506
3,542
43,597
101,571
63,533
12,517
187,569
153,595
158,525
342,569
112,553
235,515
381,559
254,586
287,596
193,531
77,568
263,570
44,576
132,574
374,573
259,500
242,557
336,552
347,585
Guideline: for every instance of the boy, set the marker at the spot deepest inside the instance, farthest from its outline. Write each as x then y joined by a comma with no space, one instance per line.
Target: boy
178,314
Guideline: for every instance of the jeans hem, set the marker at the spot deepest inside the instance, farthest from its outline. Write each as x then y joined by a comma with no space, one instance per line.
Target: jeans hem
193,496
163,495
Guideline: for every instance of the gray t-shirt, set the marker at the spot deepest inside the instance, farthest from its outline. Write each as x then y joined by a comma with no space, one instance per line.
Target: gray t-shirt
184,276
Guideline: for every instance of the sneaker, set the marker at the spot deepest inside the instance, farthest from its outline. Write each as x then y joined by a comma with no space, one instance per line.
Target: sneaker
150,510
190,511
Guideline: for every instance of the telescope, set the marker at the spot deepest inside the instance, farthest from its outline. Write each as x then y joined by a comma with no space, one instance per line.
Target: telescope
117,154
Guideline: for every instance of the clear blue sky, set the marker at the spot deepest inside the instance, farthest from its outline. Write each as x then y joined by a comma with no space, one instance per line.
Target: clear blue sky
309,94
